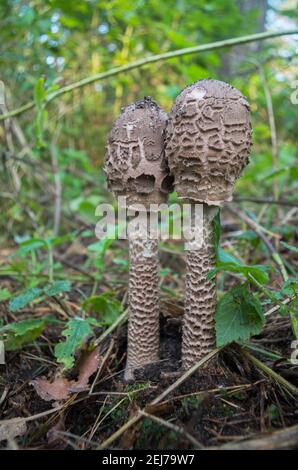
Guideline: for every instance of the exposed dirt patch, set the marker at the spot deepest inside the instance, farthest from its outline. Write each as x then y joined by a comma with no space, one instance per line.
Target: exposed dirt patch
225,401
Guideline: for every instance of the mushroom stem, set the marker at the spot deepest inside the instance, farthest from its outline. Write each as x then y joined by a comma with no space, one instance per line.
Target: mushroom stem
198,337
143,324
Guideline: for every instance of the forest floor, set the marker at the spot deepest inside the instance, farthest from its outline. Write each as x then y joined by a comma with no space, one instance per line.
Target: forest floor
243,397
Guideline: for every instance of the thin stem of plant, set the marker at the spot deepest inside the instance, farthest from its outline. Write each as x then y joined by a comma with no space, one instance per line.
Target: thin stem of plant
173,427
272,125
259,230
149,60
121,319
278,378
280,202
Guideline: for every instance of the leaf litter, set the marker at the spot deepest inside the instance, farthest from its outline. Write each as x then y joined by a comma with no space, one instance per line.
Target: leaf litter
61,387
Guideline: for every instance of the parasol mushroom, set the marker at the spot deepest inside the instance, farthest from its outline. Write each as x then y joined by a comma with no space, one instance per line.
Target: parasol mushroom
135,168
208,140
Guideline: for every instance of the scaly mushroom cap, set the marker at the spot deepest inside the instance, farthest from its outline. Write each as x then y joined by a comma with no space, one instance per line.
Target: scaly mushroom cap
134,163
208,140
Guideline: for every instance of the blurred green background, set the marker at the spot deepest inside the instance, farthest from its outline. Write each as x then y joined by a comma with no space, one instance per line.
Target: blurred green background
48,44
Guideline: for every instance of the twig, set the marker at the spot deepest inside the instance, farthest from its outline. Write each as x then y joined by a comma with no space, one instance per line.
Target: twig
104,360
111,328
272,125
185,376
149,60
173,427
75,267
277,307
58,188
260,232
255,226
32,417
265,291
280,202
157,400
231,389
283,439
278,378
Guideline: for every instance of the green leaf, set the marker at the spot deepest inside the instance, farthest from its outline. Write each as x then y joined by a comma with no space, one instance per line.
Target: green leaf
27,296
238,316
4,294
30,245
33,244
39,92
41,113
276,173
105,305
229,263
57,287
290,287
294,324
100,246
54,241
226,258
16,335
77,331
249,235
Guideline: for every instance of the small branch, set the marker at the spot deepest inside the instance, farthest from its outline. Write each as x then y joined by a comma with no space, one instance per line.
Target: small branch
279,440
58,189
102,364
272,125
259,230
150,60
138,416
173,427
278,378
277,307
255,226
265,291
279,202
122,318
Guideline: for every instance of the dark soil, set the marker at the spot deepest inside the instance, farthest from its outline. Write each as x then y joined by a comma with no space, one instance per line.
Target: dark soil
226,401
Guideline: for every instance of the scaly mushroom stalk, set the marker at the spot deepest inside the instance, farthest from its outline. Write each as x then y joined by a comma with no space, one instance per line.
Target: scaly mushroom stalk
198,337
207,145
135,168
143,330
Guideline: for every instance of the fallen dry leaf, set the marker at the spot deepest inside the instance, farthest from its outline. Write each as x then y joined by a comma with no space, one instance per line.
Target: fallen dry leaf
87,367
61,387
57,390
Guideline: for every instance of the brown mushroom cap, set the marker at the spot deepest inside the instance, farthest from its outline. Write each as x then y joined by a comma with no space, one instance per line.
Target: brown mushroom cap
134,163
208,140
